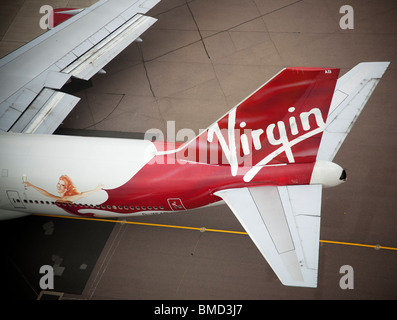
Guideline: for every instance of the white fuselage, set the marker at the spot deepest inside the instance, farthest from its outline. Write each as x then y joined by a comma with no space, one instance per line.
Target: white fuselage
32,159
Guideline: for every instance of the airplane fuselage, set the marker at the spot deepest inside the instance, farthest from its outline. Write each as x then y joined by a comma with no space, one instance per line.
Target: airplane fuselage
115,177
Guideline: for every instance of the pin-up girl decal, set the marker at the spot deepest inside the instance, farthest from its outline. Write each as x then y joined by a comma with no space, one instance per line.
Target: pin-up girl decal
66,189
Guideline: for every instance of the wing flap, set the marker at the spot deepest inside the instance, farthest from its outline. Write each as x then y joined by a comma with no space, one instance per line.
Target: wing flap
79,47
45,113
283,227
94,59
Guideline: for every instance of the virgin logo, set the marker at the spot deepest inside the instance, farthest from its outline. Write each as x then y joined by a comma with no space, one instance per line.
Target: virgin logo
296,129
273,130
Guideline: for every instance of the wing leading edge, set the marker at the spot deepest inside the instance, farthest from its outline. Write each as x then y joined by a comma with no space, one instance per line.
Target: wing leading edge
31,76
284,223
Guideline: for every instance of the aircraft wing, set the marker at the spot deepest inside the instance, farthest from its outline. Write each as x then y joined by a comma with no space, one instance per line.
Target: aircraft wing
351,93
31,77
284,223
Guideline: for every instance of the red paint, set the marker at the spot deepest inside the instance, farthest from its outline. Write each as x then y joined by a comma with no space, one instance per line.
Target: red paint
301,88
191,179
58,17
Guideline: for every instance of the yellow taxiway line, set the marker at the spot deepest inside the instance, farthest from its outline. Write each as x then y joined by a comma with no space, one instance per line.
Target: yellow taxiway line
202,229
142,223
359,245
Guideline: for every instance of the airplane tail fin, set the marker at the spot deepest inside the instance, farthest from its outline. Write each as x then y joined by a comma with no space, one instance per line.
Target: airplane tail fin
352,92
281,122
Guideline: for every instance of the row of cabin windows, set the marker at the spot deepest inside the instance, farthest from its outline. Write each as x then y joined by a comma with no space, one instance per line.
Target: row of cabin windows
96,206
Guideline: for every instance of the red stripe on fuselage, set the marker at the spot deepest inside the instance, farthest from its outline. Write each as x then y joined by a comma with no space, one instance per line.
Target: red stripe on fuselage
193,183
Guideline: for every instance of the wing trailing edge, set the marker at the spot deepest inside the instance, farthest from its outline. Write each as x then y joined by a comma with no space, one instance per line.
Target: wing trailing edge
32,75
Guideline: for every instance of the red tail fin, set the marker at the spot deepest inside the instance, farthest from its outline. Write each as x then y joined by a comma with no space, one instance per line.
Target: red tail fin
281,122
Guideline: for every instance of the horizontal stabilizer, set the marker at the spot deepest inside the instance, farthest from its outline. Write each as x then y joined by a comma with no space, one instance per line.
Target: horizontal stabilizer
284,223
352,92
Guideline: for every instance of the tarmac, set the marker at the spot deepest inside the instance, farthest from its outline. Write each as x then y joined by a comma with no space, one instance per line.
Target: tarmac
198,61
